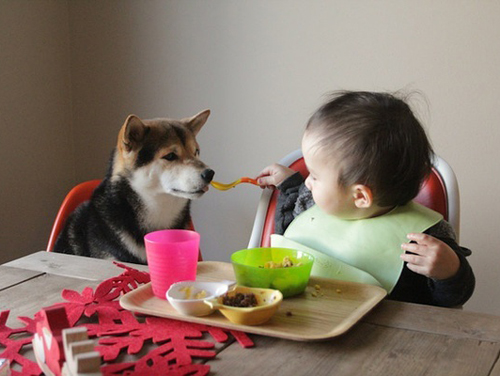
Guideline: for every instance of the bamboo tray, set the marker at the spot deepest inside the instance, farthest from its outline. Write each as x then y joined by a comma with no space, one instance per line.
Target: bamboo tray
338,307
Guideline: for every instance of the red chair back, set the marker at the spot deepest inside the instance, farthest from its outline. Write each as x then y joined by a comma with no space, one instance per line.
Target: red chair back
76,196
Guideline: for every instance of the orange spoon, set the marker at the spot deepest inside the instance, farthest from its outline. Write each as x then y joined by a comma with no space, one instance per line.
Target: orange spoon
225,187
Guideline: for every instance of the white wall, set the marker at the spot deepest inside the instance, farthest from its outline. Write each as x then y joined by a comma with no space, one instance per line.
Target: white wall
262,67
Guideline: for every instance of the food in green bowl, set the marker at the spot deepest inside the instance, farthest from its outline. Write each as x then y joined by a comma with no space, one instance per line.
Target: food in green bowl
283,269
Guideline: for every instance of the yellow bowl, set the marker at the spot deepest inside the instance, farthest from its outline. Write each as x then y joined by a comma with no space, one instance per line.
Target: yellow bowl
268,302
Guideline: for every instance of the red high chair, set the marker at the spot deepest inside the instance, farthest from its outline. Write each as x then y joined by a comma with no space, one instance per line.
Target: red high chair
77,195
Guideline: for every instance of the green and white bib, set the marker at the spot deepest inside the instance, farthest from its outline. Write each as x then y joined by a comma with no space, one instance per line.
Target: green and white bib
365,250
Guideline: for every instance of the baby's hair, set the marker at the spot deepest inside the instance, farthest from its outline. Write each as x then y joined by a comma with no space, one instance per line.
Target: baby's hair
378,141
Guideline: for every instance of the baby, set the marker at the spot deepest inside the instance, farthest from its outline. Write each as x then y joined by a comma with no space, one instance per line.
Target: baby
367,157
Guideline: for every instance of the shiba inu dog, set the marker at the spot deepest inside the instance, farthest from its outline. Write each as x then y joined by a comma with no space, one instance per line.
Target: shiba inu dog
153,174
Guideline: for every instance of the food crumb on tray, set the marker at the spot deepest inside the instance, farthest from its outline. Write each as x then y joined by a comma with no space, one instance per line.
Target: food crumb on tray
317,291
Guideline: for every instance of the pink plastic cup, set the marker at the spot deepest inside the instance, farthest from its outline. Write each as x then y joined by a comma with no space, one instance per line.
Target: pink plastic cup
172,257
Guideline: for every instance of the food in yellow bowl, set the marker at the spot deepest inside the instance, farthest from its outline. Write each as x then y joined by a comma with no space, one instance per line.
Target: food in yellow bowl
262,305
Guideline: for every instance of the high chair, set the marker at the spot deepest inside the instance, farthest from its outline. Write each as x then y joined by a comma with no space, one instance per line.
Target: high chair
77,195
439,192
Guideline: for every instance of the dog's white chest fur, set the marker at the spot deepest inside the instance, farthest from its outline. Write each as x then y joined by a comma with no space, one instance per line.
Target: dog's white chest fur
161,210
157,213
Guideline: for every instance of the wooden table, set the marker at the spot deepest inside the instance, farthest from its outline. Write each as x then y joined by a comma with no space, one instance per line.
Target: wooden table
393,339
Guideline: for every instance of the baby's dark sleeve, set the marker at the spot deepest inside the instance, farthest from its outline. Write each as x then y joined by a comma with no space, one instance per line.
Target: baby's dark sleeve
287,198
454,291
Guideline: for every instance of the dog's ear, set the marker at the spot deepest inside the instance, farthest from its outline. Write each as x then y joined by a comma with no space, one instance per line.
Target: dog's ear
133,131
197,121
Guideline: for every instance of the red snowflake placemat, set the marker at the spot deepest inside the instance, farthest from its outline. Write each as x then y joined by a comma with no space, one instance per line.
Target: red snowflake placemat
161,346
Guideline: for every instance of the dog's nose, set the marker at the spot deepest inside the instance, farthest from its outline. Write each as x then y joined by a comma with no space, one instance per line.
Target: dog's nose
207,175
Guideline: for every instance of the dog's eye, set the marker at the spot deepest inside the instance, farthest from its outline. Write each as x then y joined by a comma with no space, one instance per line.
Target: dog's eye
170,157
197,152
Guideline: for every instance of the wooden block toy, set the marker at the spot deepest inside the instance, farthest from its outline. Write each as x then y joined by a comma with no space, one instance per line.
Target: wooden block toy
61,350
47,341
81,359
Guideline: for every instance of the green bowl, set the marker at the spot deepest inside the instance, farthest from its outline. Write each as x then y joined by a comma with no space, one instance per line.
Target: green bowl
249,270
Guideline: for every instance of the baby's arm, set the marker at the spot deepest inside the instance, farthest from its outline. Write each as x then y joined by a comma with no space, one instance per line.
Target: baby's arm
430,257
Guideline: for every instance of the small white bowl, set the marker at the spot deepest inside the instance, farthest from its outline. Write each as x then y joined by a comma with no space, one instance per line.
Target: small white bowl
183,296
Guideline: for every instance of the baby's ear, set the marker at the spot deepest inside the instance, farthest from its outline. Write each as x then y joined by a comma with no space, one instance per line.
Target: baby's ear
363,197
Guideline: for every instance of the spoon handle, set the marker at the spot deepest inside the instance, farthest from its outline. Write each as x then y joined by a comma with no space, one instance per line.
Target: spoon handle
226,186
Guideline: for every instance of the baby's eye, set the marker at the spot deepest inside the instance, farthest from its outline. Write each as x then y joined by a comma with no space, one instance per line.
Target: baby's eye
170,157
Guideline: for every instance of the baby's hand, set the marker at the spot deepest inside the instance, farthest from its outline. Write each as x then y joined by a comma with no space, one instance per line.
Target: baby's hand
274,175
433,258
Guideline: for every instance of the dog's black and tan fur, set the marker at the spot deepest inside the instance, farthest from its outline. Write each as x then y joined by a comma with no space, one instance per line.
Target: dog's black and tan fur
154,173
